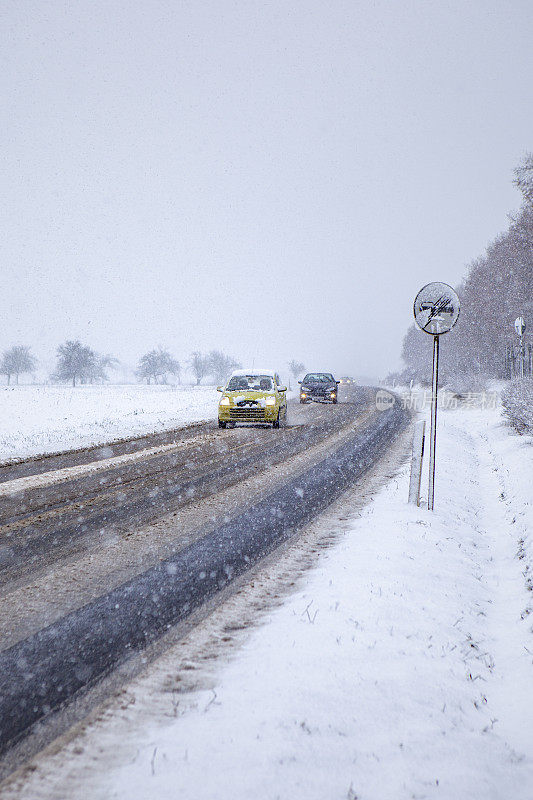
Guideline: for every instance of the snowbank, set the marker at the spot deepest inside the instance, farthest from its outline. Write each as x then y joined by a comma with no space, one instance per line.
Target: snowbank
517,400
43,419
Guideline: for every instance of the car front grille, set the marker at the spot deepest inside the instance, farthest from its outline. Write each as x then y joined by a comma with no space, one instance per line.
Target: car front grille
247,413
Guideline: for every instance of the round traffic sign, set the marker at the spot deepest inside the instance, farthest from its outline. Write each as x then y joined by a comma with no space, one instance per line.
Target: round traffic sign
436,308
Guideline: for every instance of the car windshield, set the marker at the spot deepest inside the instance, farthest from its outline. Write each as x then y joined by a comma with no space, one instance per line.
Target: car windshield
250,383
320,377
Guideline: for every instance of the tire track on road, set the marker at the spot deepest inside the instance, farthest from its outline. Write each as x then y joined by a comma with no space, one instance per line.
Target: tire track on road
59,661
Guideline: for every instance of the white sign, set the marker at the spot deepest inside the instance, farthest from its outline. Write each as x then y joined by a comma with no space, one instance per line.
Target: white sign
520,325
436,308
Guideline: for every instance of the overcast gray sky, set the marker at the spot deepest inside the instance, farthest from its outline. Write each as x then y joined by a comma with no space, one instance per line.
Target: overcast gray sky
274,179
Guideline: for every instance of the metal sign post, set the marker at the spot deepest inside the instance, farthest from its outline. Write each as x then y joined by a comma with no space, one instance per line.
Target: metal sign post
433,436
436,309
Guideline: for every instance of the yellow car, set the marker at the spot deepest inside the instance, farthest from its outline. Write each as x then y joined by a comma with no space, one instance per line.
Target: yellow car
253,395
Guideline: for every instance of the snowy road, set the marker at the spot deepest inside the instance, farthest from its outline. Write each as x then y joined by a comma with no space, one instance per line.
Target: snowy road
73,538
400,667
60,506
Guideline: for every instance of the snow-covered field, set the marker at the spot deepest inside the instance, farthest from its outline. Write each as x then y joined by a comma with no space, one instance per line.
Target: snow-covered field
400,668
44,419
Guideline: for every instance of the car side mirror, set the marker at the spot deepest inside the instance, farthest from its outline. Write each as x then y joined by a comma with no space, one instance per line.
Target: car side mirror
299,381
220,388
282,388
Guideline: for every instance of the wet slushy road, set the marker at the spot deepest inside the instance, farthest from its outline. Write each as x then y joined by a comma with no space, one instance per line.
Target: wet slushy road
102,550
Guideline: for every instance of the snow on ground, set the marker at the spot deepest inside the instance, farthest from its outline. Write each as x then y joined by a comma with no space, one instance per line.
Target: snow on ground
401,668
44,419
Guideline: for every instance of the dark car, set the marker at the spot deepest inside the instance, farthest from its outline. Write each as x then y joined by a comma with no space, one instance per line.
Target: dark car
318,386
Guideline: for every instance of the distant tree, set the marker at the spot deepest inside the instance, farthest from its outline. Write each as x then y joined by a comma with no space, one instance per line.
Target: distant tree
156,365
148,368
174,368
416,353
524,177
200,366
296,368
221,365
16,361
75,362
97,371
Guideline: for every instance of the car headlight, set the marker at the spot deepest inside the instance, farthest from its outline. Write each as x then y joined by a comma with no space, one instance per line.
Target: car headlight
304,389
271,401
225,401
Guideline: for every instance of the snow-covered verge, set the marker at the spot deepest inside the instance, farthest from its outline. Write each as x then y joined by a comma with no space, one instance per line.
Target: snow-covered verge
401,669
45,419
517,400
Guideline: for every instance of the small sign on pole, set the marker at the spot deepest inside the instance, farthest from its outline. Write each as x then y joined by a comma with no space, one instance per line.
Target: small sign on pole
520,328
436,309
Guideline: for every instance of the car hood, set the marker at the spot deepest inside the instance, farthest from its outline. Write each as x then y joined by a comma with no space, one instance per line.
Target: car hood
238,397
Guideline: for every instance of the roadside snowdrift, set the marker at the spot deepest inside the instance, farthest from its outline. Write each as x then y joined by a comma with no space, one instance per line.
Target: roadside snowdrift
517,400
45,419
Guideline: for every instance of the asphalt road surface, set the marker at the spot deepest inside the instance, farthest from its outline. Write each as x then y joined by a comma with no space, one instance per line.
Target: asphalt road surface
103,549
50,506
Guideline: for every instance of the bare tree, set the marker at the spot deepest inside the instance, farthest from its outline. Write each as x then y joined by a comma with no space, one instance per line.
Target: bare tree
156,365
149,367
296,368
75,362
200,366
221,365
16,361
524,177
97,371
174,368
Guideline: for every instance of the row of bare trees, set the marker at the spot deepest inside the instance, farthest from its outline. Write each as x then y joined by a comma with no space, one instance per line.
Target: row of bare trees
158,364
498,288
75,362
78,363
